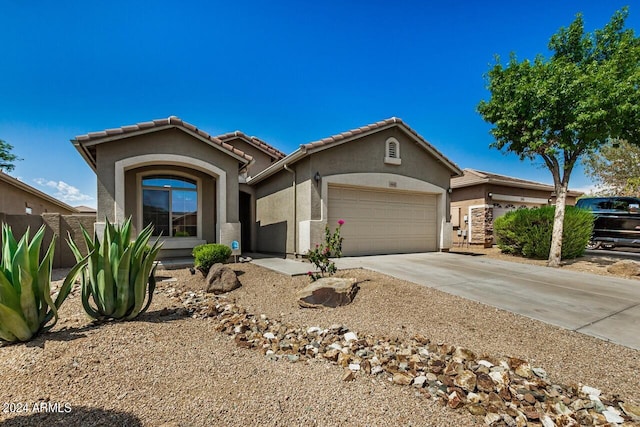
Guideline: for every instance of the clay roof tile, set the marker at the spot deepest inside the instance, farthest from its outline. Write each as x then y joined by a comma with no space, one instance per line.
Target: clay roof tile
169,121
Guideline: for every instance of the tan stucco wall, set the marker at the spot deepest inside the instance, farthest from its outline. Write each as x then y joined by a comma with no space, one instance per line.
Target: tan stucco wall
261,160
366,155
14,201
171,142
525,192
207,193
274,214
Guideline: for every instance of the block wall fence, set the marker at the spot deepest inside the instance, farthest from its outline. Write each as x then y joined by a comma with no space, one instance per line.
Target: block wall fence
57,225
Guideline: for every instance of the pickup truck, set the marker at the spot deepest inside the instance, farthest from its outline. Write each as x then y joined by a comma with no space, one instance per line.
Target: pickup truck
617,221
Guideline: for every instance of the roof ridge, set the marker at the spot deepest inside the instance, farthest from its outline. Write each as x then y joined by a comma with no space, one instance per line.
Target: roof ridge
351,132
256,141
168,121
498,175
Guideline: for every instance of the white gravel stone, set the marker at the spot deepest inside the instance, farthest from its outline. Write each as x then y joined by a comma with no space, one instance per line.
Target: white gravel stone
593,393
485,363
419,380
547,421
376,370
350,336
613,415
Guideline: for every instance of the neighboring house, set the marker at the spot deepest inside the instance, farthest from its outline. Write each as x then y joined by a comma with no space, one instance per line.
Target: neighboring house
85,210
388,184
18,198
478,198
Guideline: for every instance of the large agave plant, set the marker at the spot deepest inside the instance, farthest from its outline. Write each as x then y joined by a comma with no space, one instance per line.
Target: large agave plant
120,272
26,306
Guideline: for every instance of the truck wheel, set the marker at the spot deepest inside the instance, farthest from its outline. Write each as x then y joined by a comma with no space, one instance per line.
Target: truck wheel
592,244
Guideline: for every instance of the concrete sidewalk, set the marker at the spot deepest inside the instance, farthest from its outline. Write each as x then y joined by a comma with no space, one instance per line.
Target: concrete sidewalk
289,267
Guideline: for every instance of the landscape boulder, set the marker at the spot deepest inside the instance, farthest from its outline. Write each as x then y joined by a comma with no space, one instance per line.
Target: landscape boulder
221,279
625,268
328,292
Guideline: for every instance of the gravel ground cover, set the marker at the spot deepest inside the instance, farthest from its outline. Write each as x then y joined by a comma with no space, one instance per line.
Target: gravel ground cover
170,369
589,263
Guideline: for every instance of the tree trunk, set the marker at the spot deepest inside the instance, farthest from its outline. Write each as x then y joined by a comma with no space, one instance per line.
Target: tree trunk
555,254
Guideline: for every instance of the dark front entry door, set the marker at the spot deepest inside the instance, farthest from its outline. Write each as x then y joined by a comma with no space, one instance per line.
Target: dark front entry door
245,220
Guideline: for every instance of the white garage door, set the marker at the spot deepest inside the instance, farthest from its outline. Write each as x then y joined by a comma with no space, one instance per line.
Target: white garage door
383,222
501,209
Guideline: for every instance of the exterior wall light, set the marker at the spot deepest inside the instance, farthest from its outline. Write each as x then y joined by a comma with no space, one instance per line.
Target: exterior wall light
316,177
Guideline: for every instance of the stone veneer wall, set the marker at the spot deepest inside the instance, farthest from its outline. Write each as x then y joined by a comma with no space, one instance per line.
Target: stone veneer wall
482,226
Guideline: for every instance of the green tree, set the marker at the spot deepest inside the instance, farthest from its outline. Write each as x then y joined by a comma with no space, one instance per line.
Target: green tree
569,105
616,169
7,157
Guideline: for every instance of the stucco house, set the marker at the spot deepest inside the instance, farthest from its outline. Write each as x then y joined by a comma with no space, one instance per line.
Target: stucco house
18,198
478,198
387,182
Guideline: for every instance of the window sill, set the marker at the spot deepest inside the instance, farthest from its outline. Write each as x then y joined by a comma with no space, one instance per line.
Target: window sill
392,161
180,242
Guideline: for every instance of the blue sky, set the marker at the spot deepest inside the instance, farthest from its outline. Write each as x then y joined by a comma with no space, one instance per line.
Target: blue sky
287,72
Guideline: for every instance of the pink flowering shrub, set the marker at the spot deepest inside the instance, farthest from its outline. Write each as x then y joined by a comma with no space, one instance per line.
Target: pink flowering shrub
321,254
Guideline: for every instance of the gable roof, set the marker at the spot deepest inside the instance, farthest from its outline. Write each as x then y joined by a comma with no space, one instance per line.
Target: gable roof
255,141
85,144
475,177
350,135
29,189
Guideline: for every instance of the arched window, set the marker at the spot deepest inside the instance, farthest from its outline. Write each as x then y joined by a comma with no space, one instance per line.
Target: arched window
170,203
392,152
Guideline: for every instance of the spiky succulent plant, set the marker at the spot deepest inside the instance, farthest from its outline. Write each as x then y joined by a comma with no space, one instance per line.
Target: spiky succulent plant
120,272
26,306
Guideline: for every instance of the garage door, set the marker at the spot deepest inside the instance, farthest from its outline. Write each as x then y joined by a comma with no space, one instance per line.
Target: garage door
500,209
383,222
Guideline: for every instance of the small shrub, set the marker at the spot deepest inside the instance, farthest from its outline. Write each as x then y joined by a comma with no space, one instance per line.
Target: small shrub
208,254
320,256
527,232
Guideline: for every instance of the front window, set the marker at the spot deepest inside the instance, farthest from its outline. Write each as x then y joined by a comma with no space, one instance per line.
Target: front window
170,203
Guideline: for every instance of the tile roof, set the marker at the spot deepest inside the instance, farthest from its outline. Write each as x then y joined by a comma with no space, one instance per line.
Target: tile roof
269,149
353,132
306,149
372,127
474,177
160,123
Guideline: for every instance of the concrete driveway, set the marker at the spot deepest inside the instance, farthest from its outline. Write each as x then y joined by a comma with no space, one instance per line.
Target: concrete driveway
600,306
